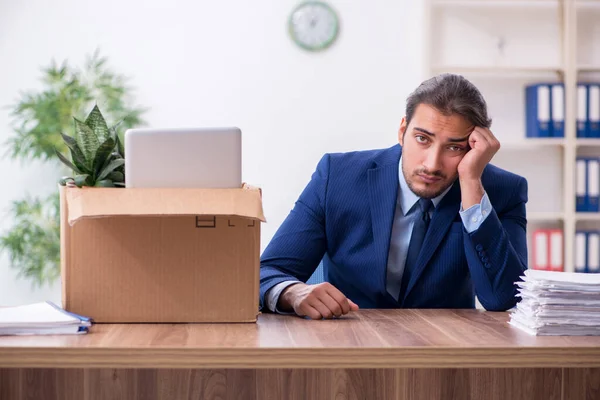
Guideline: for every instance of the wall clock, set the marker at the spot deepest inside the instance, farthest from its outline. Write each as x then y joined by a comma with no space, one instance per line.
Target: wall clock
314,25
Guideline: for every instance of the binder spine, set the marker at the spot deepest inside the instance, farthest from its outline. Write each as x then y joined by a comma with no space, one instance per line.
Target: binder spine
582,112
593,184
537,113
580,251
580,185
593,252
594,110
555,250
541,253
557,100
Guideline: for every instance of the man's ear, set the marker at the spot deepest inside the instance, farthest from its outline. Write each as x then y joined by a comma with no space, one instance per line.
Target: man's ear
402,131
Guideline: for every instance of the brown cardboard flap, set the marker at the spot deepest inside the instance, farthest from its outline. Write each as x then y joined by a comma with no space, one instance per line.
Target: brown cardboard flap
105,202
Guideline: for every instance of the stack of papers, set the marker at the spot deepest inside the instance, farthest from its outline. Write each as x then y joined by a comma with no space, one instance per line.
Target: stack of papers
558,303
41,319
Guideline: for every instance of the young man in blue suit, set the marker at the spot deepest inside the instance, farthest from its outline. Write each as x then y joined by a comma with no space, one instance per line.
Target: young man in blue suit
427,223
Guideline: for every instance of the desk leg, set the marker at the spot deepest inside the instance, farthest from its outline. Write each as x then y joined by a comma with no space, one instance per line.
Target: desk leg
291,384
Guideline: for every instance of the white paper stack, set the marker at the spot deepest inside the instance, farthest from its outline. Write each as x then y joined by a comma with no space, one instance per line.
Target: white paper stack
41,319
558,303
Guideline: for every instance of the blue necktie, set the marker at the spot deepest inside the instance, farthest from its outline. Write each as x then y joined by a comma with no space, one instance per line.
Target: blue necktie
416,242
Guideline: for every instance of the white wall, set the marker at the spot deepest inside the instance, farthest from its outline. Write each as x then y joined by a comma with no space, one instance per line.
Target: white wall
227,62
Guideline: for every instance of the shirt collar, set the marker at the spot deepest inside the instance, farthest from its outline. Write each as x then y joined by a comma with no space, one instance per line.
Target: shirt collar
408,198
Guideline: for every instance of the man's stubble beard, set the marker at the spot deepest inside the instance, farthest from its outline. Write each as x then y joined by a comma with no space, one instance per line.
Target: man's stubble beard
426,194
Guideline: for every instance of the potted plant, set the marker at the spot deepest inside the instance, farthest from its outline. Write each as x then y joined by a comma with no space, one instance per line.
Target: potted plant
96,153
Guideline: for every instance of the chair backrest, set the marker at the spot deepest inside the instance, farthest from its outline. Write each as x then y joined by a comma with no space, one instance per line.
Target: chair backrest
318,276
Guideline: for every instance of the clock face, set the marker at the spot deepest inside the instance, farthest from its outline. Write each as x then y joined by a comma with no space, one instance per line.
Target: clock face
313,25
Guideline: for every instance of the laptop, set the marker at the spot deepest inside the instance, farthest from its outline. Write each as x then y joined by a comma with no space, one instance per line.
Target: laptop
183,158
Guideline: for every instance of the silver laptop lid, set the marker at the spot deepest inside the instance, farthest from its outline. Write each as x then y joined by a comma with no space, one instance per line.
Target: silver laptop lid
183,158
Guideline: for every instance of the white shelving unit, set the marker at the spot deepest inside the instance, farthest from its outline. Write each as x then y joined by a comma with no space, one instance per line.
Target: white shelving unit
502,46
588,68
587,142
538,144
582,217
537,216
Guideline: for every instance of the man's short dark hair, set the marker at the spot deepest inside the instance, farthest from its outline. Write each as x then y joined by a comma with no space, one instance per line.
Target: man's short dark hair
450,94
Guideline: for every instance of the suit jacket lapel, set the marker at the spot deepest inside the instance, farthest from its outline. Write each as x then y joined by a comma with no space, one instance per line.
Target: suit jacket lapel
383,193
441,221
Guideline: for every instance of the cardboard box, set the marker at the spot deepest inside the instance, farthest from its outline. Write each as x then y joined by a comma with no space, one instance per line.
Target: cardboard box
161,255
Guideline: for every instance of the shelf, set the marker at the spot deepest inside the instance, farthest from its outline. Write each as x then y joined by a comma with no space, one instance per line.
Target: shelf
587,216
588,68
588,142
544,216
517,71
531,143
588,5
497,3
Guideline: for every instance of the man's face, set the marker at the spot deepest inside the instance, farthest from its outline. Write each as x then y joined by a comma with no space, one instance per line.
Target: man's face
432,147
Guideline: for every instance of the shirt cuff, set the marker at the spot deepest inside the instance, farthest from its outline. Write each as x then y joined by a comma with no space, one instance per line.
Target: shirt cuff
273,296
474,216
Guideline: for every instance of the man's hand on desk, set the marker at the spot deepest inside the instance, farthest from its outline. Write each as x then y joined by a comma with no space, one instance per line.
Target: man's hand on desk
315,301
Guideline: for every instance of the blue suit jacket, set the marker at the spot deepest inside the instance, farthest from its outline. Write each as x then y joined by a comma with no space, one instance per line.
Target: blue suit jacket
344,216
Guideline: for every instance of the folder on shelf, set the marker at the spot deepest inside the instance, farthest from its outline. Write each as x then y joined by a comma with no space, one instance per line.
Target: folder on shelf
582,110
593,252
556,249
557,110
537,104
593,184
581,184
580,251
541,247
593,123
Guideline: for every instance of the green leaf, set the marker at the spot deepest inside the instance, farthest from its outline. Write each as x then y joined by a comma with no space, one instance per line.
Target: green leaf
79,162
76,153
102,155
113,156
69,141
83,180
119,184
98,125
87,141
111,167
67,162
116,176
63,181
105,183
120,148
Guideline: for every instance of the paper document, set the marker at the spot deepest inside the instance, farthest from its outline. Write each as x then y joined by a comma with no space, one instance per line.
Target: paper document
558,303
41,319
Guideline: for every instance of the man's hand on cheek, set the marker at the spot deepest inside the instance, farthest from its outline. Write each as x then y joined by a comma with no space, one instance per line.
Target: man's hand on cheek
483,145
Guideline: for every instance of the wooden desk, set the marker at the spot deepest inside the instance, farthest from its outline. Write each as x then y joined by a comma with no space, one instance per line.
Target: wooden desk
371,354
